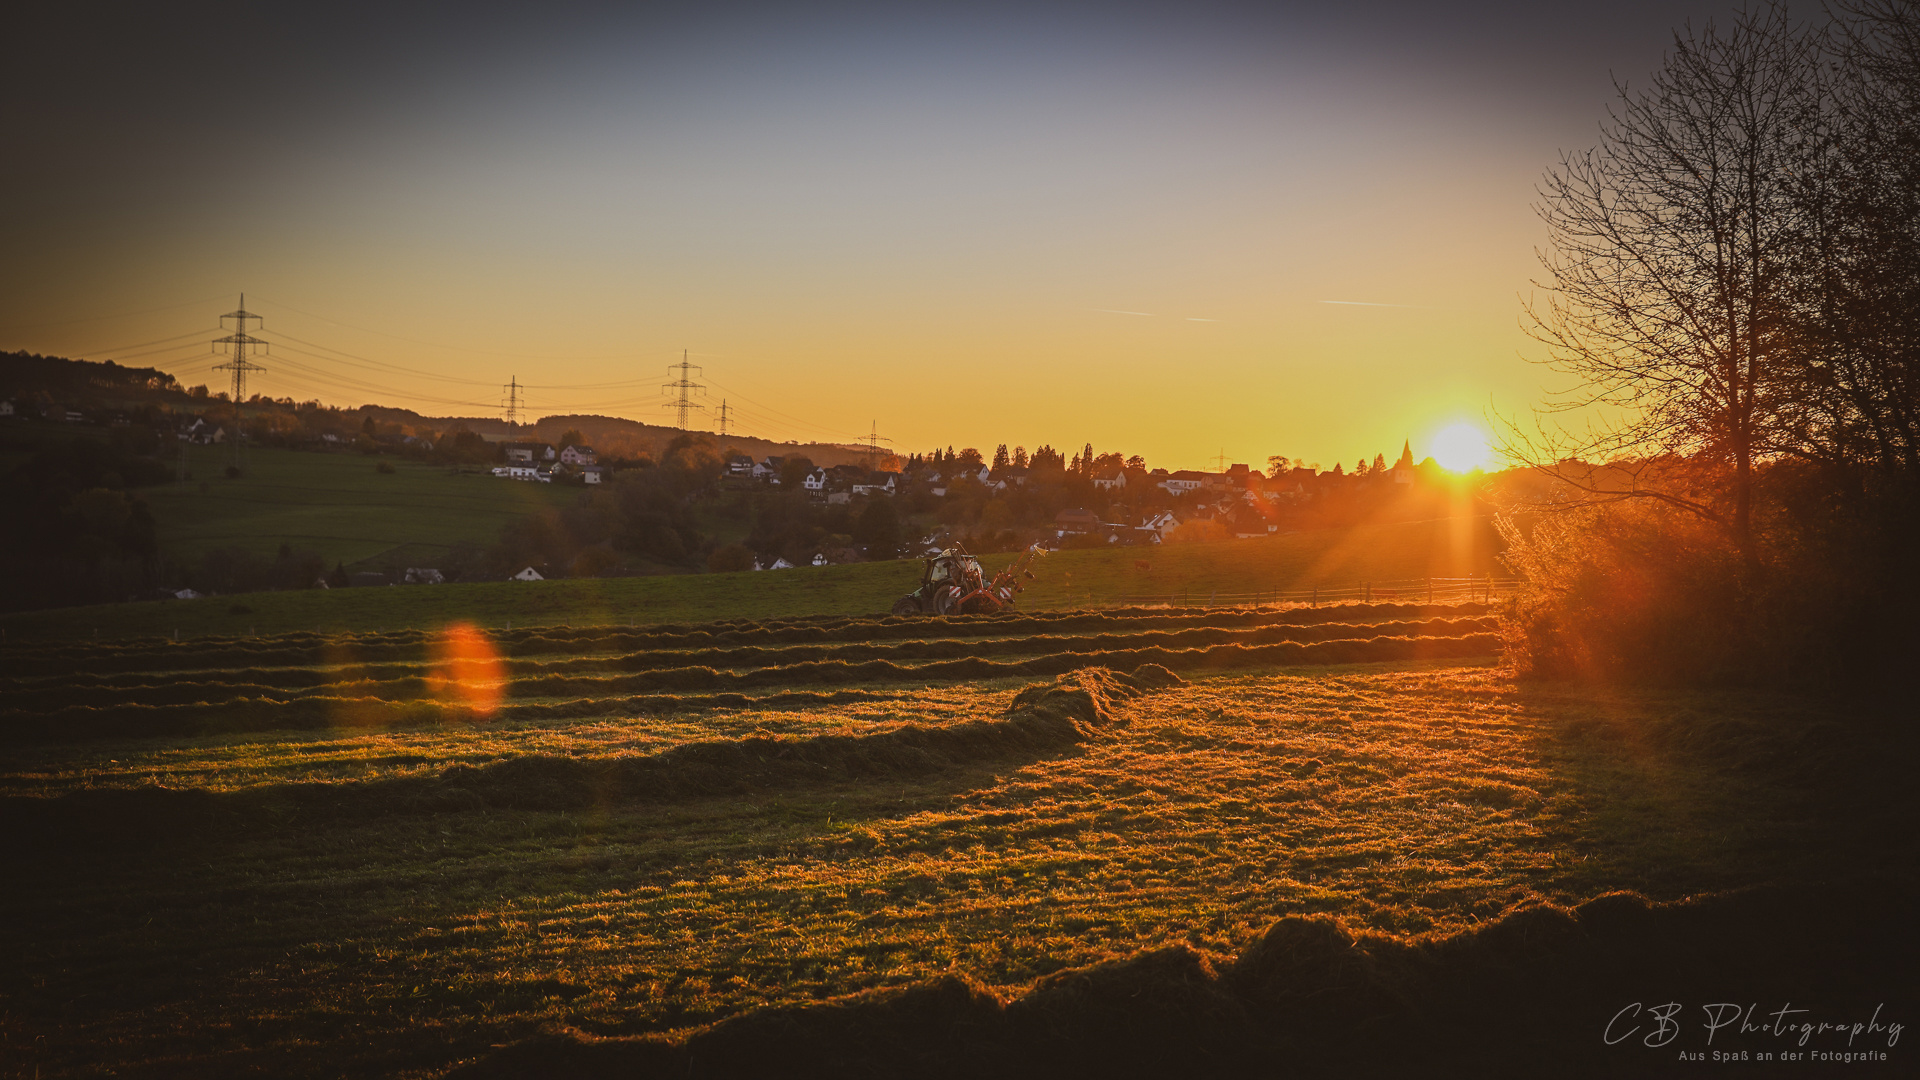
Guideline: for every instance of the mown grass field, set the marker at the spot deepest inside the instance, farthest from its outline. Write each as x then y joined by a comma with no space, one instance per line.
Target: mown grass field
1066,579
388,854
338,505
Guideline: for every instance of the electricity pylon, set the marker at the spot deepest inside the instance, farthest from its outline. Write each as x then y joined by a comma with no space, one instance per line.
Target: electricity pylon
684,384
241,341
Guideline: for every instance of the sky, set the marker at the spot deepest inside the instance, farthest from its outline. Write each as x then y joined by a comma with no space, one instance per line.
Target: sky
1182,230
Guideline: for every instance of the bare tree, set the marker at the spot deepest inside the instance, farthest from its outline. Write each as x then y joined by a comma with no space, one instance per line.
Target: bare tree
1669,273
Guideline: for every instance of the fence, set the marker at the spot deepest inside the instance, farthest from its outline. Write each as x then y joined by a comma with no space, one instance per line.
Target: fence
1428,590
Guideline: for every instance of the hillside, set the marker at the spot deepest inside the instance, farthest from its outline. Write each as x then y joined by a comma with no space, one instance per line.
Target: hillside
1067,579
340,506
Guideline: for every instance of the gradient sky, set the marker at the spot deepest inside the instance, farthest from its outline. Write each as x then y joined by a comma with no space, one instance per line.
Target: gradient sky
1116,224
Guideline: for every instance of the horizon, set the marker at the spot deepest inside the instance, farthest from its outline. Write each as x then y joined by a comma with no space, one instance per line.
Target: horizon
1177,233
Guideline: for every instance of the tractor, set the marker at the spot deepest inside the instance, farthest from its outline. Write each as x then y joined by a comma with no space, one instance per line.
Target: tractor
953,584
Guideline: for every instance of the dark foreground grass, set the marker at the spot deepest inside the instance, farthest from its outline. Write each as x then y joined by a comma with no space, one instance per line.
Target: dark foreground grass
1114,902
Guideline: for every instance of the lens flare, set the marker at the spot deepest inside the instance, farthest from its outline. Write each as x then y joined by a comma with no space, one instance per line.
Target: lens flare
1462,448
469,669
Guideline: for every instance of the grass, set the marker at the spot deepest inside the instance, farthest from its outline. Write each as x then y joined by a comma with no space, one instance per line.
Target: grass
1066,579
291,902
337,505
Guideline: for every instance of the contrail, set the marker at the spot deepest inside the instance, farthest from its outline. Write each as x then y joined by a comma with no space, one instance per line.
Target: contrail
1117,311
1196,318
1369,303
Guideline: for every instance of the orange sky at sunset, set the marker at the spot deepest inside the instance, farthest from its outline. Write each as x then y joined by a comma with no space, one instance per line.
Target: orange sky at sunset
1001,226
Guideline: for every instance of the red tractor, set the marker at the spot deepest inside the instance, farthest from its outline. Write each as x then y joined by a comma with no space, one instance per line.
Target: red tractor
954,584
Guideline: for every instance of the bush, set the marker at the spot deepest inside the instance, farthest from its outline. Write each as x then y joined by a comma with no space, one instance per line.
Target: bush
1638,592
730,558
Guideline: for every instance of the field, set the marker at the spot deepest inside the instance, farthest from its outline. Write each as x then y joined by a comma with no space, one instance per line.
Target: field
1102,835
337,505
1066,579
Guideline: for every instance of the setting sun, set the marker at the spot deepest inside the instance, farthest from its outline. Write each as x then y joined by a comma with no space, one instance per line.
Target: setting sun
1462,448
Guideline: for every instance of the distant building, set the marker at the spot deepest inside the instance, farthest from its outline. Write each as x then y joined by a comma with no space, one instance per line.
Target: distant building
424,575
1075,522
593,474
578,455
529,574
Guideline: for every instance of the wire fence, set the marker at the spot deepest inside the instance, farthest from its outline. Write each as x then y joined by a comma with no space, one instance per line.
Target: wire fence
1427,590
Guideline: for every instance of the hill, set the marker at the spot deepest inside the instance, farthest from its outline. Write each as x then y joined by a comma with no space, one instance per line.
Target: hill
1184,573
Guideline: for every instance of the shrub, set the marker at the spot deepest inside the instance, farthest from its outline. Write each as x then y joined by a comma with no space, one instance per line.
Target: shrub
730,558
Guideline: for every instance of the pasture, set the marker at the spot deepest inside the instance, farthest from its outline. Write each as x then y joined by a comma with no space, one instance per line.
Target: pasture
1066,579
338,505
392,853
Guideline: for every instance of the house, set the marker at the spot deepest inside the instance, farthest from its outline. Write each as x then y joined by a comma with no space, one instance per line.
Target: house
593,474
1111,480
740,465
1183,481
769,470
1075,522
529,574
875,489
819,559
781,564
523,472
1159,524
424,575
577,455
815,482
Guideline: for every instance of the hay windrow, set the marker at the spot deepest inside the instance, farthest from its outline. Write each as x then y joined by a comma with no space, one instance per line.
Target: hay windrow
1074,708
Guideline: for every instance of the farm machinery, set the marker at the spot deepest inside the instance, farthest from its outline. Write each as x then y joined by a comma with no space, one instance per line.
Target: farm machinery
954,584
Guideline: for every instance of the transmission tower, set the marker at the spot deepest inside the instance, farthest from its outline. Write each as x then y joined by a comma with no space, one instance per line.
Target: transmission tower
1220,460
723,417
242,342
874,439
682,385
513,401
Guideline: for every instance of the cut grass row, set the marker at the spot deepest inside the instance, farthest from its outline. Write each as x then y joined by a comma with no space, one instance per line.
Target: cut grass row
426,678
240,714
98,661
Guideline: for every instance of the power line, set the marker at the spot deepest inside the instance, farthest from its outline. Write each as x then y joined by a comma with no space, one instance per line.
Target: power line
684,384
239,365
874,439
513,401
723,418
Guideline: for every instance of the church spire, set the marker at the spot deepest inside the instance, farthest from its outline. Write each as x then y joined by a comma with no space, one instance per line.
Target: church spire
1406,454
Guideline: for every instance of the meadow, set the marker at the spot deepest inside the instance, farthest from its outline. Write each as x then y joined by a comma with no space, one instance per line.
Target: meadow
1186,573
405,852
338,505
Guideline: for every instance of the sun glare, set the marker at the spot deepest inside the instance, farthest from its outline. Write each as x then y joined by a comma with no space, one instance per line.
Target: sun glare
1462,448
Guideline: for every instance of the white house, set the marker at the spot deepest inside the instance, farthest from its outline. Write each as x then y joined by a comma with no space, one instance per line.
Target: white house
875,489
1110,480
529,574
523,472
815,482
768,469
593,474
781,564
1179,483
426,575
819,559
1159,524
